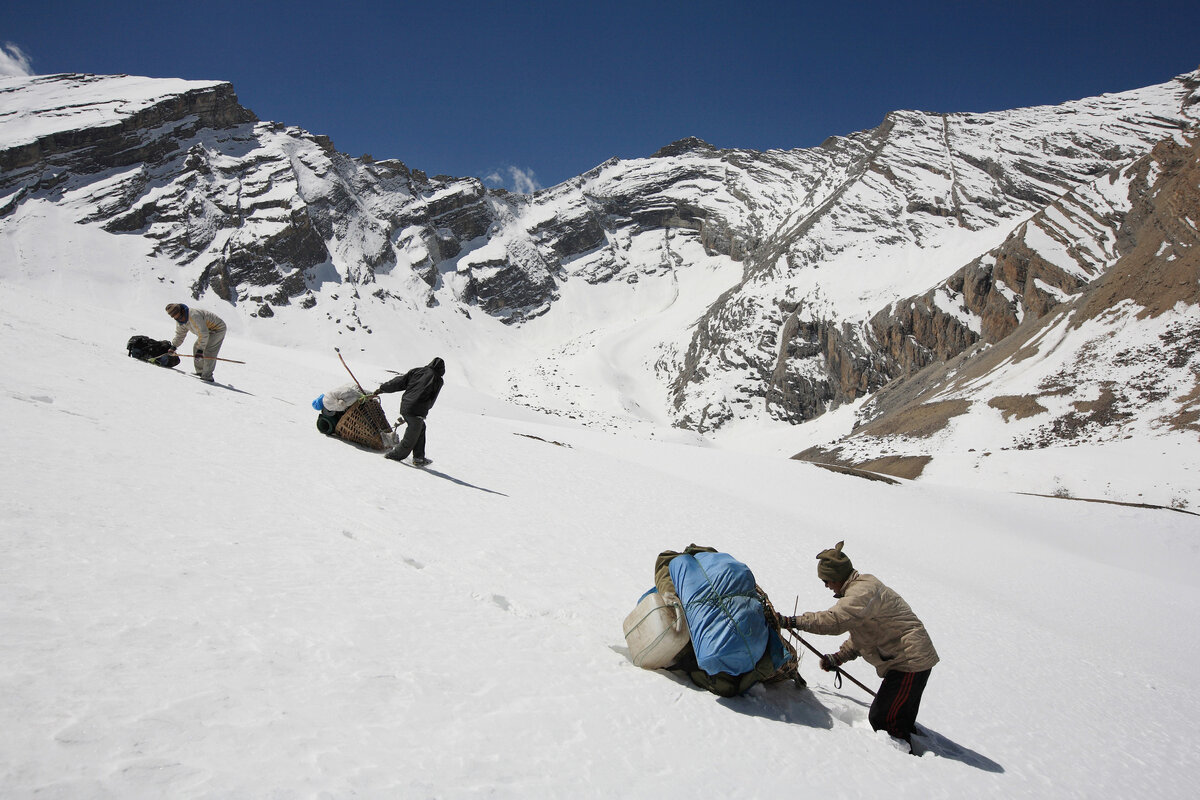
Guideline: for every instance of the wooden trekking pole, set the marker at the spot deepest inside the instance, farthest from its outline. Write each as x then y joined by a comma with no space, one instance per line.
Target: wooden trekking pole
838,670
819,654
210,358
344,364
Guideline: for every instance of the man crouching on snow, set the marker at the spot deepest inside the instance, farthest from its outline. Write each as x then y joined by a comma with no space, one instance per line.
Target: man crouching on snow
883,630
210,333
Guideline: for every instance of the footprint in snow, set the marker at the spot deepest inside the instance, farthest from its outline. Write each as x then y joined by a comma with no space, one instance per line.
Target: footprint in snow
31,398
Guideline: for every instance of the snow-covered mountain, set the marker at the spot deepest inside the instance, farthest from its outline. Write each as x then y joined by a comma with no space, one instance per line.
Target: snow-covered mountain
709,289
202,597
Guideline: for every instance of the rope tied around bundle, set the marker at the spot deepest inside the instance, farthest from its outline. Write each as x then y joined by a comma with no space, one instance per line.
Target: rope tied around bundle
791,668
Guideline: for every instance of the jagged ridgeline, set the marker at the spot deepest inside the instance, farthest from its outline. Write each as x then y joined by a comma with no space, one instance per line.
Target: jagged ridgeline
874,261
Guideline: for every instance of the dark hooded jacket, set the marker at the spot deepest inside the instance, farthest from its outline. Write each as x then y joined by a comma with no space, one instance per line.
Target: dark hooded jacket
420,386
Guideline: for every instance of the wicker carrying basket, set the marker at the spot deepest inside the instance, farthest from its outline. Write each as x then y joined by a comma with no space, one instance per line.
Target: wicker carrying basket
365,423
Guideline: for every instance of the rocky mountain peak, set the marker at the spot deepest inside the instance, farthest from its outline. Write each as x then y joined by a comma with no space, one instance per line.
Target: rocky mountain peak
871,269
689,144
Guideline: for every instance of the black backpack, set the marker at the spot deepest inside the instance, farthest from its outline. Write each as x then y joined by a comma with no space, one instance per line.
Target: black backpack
155,351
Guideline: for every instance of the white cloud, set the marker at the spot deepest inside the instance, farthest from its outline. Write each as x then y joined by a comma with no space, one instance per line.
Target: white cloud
522,181
13,61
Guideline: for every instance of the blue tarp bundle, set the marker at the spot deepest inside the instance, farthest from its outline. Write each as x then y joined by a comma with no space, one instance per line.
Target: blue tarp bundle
724,613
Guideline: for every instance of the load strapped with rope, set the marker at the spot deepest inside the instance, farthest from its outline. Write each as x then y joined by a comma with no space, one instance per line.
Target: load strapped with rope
349,414
707,617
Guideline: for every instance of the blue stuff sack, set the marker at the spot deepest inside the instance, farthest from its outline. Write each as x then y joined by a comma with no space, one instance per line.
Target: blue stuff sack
724,612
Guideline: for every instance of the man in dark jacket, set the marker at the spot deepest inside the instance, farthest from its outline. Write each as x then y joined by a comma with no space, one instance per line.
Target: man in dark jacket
420,386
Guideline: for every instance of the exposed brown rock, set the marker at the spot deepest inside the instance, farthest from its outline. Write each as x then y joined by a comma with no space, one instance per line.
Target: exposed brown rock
1017,406
1189,416
907,467
858,473
1162,268
918,421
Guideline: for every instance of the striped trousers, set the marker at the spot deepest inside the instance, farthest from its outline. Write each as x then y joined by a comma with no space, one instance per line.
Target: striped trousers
897,702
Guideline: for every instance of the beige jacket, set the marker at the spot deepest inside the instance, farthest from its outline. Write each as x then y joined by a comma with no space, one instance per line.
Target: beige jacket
882,628
201,323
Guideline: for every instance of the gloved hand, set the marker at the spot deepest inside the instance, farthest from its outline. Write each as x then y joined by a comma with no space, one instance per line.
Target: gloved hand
830,662
785,622
198,355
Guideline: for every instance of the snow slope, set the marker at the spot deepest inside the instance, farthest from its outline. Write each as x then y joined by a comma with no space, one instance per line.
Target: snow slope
200,596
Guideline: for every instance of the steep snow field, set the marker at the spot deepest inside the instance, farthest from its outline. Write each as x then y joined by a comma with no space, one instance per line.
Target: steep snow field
200,596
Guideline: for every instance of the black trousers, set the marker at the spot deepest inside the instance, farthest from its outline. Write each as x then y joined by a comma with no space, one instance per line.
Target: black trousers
414,438
897,702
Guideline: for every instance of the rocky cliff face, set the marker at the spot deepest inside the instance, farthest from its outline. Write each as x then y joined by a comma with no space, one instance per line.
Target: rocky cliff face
1112,355
845,295
131,133
258,211
867,264
1048,259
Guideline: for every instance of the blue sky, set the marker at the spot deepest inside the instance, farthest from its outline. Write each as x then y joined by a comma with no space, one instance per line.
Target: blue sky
537,92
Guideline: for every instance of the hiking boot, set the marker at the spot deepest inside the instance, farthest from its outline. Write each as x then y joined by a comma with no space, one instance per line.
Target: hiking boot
395,454
207,378
421,462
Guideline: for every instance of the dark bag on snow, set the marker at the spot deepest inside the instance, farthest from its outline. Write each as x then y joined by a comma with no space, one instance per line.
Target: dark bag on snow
327,421
156,351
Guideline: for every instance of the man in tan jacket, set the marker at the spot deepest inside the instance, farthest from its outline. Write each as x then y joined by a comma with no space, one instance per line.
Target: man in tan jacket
210,334
883,630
